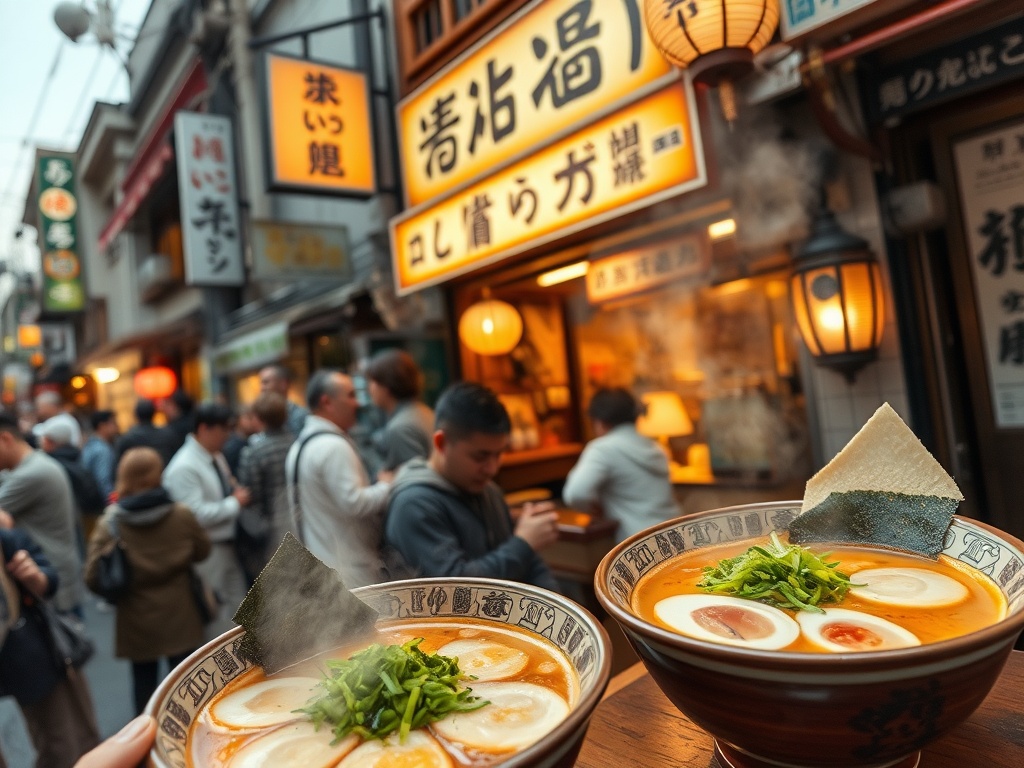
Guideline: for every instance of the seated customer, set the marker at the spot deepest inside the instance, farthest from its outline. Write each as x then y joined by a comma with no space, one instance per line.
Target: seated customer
446,516
620,473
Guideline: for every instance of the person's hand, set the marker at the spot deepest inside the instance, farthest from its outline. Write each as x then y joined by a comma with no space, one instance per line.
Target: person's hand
538,525
24,569
125,749
243,495
6,521
386,476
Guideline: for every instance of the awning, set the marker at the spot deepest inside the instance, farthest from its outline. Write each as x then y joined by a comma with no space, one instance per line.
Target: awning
150,162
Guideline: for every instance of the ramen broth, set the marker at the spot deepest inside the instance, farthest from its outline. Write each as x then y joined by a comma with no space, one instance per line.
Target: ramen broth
535,661
984,605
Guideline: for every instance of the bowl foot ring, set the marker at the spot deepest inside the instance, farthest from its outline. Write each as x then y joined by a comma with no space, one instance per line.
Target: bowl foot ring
729,757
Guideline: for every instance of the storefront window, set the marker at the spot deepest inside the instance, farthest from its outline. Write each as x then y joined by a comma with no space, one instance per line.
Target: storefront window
722,353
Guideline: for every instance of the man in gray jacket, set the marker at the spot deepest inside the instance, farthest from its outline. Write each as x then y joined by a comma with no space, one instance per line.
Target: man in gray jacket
447,517
620,474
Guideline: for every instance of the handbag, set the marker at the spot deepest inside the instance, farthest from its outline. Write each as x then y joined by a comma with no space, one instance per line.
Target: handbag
205,597
113,575
69,643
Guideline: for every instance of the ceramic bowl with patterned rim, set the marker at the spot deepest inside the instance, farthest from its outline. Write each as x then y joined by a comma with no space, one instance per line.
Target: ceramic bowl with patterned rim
189,687
806,710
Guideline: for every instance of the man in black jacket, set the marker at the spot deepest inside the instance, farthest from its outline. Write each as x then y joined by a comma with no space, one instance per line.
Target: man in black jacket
447,517
144,433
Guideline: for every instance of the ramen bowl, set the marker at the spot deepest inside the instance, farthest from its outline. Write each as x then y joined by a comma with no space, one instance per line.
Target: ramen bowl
504,606
808,710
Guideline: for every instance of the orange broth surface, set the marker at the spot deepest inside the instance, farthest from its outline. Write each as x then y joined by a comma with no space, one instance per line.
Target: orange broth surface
547,666
984,606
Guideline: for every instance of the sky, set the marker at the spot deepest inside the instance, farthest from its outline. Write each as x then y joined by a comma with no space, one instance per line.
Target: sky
48,86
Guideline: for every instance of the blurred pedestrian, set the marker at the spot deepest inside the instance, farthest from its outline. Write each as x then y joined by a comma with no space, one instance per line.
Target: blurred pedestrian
446,515
158,617
337,512
245,426
264,521
89,501
50,408
98,451
37,496
54,699
144,433
394,385
179,409
277,378
621,474
198,477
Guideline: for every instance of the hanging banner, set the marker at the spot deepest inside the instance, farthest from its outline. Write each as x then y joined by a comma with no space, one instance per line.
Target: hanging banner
646,152
58,208
207,191
990,175
319,128
553,66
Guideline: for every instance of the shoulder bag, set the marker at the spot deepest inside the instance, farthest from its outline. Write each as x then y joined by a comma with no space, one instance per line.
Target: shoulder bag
113,571
69,643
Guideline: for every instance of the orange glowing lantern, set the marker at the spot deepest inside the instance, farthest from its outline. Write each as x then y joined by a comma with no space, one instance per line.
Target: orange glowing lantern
491,327
155,382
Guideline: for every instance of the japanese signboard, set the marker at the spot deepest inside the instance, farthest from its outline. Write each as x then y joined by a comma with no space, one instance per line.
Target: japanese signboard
646,152
644,268
800,16
990,174
210,226
977,62
58,206
550,68
300,252
260,347
319,128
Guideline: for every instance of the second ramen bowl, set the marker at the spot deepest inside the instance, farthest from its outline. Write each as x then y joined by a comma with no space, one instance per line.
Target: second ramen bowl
191,686
807,710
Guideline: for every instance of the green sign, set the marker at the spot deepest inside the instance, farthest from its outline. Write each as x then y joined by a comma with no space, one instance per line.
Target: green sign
58,235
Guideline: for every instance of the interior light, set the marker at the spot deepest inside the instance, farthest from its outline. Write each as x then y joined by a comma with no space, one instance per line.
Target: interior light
722,229
106,375
563,274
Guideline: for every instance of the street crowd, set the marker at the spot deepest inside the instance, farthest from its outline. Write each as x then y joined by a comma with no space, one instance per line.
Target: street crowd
200,504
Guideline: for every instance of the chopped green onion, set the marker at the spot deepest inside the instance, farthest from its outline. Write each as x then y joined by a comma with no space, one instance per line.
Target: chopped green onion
784,576
388,688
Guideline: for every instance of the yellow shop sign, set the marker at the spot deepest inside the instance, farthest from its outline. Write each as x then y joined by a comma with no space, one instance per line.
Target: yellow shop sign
550,68
644,153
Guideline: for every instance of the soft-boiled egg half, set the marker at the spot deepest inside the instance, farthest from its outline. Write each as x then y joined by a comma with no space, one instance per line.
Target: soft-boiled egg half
728,620
485,659
420,750
907,587
263,704
297,743
518,715
841,630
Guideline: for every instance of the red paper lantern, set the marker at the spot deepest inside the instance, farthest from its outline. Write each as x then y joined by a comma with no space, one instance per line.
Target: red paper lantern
155,382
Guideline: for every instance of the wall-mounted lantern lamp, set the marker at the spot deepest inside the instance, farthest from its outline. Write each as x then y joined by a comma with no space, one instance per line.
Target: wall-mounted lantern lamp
836,288
155,382
491,327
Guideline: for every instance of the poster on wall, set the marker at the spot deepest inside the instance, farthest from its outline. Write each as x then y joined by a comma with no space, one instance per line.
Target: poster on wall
990,175
211,230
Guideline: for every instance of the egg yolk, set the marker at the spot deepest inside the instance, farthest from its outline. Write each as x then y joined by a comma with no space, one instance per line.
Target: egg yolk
851,636
733,621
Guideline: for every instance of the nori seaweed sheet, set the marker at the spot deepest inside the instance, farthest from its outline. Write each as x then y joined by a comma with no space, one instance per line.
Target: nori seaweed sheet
298,607
896,520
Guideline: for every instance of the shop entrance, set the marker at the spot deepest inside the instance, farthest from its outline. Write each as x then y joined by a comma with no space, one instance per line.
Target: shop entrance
969,287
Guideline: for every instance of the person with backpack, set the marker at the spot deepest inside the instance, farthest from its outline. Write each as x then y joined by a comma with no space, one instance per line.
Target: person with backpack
56,440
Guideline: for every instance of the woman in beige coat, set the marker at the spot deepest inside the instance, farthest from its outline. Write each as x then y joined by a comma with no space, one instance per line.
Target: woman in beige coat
158,617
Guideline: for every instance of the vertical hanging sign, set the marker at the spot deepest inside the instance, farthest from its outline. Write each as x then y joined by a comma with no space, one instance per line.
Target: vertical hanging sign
990,172
211,230
58,206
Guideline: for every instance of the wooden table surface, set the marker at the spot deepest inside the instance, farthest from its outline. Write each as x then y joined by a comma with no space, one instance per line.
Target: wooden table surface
638,727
